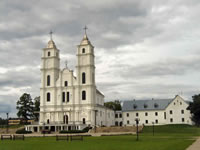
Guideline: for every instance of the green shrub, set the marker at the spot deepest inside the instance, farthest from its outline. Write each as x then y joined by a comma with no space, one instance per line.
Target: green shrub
72,131
23,131
86,129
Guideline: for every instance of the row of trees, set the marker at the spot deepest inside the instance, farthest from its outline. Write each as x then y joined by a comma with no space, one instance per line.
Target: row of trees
3,121
194,108
113,105
28,108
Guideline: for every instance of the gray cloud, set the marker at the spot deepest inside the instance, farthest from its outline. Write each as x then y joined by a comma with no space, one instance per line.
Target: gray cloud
138,44
169,67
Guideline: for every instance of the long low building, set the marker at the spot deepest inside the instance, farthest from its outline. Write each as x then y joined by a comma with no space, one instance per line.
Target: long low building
155,111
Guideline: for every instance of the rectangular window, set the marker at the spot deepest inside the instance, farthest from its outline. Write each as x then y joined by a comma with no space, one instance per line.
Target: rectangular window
137,114
68,97
171,119
127,114
165,116
156,121
127,121
116,115
120,115
171,112
156,113
146,114
146,121
63,96
182,111
183,120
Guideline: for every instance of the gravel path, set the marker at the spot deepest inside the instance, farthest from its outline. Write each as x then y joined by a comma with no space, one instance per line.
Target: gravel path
195,145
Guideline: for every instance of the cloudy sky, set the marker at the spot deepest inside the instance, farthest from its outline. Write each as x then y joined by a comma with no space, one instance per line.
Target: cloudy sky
144,48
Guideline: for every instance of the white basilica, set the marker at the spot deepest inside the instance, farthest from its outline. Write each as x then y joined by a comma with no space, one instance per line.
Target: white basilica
66,101
69,102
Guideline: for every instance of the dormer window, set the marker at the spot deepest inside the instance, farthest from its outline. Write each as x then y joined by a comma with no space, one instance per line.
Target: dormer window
83,50
134,106
49,54
145,105
156,105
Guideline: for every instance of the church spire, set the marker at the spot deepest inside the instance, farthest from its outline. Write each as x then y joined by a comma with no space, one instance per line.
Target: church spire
51,33
85,39
51,43
85,28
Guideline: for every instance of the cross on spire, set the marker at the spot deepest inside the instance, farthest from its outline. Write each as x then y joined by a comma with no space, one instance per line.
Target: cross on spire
85,28
51,33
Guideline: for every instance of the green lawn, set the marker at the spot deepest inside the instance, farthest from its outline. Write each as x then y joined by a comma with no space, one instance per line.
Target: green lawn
177,137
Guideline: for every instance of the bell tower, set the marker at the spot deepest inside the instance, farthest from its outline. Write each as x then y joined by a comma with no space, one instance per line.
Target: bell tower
86,71
50,67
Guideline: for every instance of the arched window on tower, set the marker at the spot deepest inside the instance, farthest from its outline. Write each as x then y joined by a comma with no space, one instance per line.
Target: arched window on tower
83,50
66,83
48,80
68,96
49,53
48,97
83,78
83,120
83,95
63,96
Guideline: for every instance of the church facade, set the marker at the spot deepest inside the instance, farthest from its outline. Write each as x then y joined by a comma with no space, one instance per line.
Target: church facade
69,102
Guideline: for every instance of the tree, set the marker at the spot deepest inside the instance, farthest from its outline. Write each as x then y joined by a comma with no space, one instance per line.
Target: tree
113,105
25,107
194,108
36,107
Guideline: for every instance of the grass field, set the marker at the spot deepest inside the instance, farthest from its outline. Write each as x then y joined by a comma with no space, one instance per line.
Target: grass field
170,137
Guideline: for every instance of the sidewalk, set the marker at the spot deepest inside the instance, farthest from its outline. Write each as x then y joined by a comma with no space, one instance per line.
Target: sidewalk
195,145
84,134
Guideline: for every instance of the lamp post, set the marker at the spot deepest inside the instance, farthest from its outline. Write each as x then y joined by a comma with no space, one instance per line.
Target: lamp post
137,122
7,123
153,128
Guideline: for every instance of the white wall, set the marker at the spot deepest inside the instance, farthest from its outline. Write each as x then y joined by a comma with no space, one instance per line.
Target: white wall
176,106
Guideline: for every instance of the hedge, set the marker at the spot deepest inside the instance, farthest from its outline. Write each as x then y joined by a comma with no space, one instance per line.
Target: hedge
86,129
23,131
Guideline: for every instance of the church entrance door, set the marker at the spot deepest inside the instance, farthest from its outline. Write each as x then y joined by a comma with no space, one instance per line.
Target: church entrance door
65,119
